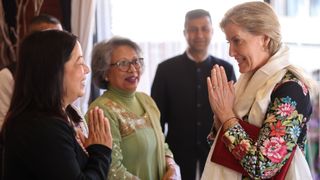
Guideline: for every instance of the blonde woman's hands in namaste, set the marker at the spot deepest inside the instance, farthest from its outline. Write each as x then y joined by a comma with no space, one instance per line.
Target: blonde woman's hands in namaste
221,94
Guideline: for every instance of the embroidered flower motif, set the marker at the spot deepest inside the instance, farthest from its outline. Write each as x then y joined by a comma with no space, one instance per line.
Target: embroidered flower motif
268,173
271,118
294,132
128,121
241,149
275,149
277,129
285,109
283,125
227,139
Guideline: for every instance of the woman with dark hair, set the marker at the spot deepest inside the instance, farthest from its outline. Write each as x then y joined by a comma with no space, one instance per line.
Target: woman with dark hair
40,138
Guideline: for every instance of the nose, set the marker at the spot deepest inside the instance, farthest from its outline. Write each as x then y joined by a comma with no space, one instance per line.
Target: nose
232,51
86,69
132,68
199,33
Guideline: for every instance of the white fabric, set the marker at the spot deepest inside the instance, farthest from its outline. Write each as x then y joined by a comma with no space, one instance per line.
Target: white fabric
214,171
82,23
103,20
253,92
6,90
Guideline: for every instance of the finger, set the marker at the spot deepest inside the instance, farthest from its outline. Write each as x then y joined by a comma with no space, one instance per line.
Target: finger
101,120
96,119
224,78
214,79
81,136
107,126
211,95
231,86
218,77
90,122
210,90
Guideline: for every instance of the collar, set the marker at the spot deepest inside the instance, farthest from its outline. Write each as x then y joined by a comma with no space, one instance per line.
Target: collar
193,59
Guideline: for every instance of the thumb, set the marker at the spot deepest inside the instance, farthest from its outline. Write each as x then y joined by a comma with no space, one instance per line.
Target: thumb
81,137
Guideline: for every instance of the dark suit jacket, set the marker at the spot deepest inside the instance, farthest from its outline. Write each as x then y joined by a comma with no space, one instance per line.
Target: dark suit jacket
180,91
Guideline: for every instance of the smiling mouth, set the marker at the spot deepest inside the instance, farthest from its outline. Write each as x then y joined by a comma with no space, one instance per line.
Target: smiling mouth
240,60
131,79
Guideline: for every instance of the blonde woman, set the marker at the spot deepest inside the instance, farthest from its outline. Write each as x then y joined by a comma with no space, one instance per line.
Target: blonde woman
271,94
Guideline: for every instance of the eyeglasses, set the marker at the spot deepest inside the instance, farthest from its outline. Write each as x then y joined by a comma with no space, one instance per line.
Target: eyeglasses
124,65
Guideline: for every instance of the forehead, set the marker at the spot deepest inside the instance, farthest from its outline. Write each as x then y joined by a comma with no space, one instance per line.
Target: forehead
76,52
199,21
44,26
232,30
123,51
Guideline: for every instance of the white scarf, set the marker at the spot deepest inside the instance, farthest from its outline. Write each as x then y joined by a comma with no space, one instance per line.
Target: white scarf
253,92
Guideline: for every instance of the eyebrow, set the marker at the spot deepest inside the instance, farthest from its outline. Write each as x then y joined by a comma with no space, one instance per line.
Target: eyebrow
233,37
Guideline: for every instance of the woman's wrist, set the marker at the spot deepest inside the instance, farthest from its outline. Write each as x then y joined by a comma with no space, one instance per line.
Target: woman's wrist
231,122
170,163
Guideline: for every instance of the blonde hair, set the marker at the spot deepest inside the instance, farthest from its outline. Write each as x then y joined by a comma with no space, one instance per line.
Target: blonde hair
257,18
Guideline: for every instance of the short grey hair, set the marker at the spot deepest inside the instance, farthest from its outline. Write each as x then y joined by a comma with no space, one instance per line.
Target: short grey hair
101,58
257,18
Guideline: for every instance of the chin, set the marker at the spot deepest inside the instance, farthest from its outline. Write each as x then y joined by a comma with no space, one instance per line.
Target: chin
242,71
131,90
81,94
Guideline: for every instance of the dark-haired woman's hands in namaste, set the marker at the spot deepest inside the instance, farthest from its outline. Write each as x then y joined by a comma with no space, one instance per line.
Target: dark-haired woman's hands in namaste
99,129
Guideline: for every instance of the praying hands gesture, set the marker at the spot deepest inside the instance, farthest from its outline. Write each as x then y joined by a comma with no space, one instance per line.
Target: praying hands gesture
99,129
221,95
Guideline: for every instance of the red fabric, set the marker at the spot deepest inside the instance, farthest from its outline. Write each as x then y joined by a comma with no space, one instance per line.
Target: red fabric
221,155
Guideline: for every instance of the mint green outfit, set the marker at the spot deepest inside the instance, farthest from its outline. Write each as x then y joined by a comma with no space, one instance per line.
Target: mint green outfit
138,142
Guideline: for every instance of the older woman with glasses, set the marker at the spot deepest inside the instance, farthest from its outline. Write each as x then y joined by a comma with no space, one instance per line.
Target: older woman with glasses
139,150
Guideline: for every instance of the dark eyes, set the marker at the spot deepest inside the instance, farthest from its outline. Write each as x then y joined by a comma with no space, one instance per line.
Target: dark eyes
195,29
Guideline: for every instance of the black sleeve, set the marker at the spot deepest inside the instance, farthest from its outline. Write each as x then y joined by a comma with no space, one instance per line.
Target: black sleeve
294,91
99,161
53,154
297,93
158,93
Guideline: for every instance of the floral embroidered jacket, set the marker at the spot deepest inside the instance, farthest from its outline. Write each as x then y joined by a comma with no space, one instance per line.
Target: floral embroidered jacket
284,127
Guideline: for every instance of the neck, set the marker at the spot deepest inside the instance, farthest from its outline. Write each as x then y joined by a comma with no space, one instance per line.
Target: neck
121,93
197,56
127,99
